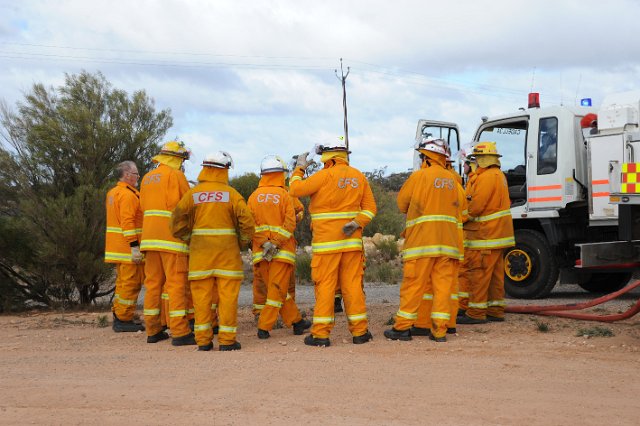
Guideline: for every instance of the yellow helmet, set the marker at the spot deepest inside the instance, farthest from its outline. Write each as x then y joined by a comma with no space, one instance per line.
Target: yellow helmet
175,149
485,148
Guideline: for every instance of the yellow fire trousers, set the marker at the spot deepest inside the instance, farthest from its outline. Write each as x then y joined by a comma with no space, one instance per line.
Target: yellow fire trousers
424,311
343,270
204,293
129,279
277,275
426,275
465,276
486,295
170,270
260,289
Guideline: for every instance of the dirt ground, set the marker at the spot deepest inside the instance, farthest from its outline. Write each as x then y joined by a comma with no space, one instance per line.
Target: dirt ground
61,368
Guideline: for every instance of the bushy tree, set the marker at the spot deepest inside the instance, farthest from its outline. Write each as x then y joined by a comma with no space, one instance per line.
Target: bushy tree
59,149
245,184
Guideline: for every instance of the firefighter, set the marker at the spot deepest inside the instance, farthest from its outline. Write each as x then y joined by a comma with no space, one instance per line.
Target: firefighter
432,202
259,285
422,324
274,247
465,274
122,245
166,257
491,229
216,220
341,205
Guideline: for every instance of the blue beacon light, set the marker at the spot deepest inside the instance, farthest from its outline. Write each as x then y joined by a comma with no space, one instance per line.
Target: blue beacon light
586,102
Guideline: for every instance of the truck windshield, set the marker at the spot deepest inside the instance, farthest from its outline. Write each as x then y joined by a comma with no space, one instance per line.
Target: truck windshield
510,139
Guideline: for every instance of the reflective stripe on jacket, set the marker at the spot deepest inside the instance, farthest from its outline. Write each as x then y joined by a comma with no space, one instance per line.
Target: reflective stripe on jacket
124,223
160,191
339,194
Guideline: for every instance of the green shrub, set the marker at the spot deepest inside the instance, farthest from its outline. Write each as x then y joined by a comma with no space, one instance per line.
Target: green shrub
388,249
595,332
303,268
102,321
382,272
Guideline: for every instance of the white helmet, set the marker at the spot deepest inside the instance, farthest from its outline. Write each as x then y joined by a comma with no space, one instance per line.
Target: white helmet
273,163
220,159
439,146
338,145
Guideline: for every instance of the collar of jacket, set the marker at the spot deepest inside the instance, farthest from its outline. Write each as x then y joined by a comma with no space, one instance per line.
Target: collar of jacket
481,170
168,160
434,159
335,161
272,179
129,187
214,174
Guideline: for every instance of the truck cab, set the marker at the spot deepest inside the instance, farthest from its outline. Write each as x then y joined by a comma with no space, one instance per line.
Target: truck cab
559,184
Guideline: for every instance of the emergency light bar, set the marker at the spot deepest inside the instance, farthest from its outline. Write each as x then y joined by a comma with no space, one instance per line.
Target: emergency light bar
586,102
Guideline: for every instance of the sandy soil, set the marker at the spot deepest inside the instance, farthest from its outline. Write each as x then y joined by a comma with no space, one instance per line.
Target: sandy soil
61,368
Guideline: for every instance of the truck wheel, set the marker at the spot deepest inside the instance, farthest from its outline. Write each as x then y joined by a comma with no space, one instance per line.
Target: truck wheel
606,282
531,270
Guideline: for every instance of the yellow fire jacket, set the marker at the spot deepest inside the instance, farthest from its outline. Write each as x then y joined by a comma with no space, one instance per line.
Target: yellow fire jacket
160,191
216,220
490,223
274,214
124,223
433,204
339,194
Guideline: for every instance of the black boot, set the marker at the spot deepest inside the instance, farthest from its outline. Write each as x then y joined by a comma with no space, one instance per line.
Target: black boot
120,326
315,341
495,319
394,334
233,347
301,326
468,320
215,330
337,305
158,337
206,347
451,330
420,331
263,334
358,340
186,340
438,339
192,323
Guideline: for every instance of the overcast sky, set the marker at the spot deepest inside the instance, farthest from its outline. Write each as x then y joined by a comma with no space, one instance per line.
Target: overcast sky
257,77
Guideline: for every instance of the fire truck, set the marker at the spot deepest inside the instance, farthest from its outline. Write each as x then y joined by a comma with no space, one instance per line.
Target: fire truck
574,185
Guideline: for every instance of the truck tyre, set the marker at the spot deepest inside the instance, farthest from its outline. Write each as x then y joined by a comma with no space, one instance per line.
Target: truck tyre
607,282
531,270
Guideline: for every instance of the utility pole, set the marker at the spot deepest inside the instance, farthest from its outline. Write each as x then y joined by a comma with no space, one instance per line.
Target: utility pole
343,79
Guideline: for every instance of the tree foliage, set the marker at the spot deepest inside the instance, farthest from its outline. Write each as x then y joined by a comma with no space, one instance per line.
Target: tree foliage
58,153
245,184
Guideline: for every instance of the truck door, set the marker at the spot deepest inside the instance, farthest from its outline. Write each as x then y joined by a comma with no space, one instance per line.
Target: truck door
546,187
439,130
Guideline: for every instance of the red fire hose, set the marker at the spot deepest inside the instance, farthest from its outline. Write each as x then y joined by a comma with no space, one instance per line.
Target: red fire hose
559,310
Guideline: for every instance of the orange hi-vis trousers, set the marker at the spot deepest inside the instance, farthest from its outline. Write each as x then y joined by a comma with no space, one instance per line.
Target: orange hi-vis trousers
129,279
426,275
278,277
169,269
424,311
260,290
465,276
328,271
204,294
487,289
164,307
